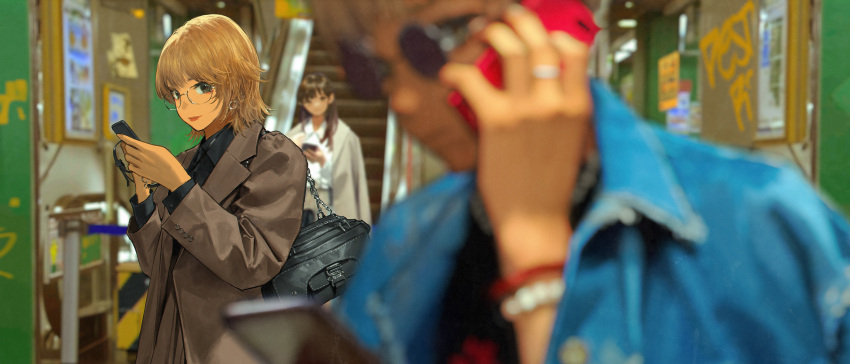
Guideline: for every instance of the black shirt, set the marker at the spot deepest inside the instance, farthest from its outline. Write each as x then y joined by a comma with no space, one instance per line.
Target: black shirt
471,328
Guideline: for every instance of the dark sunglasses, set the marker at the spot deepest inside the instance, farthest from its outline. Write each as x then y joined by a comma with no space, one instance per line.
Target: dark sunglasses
123,167
424,46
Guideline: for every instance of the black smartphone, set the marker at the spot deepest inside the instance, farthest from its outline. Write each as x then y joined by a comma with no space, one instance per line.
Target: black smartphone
289,331
309,147
122,127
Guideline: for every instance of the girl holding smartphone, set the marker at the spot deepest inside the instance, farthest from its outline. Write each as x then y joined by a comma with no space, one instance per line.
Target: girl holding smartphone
332,150
227,210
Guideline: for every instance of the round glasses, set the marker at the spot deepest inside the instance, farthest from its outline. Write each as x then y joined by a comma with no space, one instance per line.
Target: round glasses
424,46
200,93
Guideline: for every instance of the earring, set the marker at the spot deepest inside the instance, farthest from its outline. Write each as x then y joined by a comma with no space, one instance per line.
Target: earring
232,105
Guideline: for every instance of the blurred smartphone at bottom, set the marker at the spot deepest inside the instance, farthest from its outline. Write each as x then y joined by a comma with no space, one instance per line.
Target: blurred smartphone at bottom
294,331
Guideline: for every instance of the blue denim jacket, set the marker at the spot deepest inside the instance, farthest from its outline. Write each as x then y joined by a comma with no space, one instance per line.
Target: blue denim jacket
746,263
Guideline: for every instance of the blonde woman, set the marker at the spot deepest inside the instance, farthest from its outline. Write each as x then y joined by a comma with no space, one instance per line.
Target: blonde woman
332,150
227,210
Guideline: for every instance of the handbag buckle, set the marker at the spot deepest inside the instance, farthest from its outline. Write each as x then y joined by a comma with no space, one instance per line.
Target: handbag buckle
336,276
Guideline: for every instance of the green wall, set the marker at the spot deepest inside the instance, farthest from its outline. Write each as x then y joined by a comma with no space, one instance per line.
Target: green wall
17,313
663,39
834,127
167,129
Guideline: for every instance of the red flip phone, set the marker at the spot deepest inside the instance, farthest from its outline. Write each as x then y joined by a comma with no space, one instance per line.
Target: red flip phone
570,16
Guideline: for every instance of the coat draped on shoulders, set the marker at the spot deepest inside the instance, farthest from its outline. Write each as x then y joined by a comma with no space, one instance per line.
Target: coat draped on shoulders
234,235
350,190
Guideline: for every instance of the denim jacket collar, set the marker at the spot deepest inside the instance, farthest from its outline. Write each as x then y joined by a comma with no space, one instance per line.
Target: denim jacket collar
635,172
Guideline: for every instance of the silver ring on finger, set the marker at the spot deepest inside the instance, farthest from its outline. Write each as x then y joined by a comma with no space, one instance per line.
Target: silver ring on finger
546,72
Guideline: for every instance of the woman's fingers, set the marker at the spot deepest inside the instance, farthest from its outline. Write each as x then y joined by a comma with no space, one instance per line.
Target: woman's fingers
513,54
544,64
133,159
469,81
575,56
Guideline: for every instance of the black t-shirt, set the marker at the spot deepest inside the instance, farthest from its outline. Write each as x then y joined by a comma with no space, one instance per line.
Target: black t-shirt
471,329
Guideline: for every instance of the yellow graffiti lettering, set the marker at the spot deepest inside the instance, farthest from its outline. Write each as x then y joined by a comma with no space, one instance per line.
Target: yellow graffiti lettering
15,91
720,57
740,94
11,238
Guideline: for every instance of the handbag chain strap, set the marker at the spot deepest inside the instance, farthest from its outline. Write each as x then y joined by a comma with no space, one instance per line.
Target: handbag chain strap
319,201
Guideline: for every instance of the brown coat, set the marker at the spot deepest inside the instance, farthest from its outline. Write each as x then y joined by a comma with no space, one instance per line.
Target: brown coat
236,232
349,187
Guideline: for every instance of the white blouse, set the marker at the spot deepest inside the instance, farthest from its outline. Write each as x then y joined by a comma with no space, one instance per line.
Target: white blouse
321,174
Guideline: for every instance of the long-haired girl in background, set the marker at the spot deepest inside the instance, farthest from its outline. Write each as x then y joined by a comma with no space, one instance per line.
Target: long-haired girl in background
332,150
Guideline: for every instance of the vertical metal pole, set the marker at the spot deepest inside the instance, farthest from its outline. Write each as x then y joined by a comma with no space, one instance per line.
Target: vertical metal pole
71,292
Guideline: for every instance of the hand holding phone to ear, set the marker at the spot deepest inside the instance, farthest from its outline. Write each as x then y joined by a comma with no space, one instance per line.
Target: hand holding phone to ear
534,133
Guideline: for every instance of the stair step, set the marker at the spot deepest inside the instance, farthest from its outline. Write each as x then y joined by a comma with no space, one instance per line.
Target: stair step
374,168
374,191
372,147
319,57
349,108
376,211
368,127
343,90
334,73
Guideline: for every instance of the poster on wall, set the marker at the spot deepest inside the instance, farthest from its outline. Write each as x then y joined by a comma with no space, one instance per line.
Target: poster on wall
679,118
78,70
772,80
668,81
114,108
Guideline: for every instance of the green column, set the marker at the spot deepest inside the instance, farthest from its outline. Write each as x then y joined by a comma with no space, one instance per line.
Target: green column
662,39
834,126
167,129
17,312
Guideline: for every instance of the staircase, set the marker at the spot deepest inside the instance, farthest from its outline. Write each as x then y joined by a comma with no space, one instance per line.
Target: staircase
367,118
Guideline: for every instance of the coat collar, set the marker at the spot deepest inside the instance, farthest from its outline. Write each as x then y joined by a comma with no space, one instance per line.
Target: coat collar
636,173
230,171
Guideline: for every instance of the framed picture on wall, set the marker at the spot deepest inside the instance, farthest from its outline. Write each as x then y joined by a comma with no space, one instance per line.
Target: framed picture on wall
79,70
116,107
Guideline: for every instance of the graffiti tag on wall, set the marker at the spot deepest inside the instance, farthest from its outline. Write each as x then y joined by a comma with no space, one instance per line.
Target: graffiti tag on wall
16,90
7,242
728,51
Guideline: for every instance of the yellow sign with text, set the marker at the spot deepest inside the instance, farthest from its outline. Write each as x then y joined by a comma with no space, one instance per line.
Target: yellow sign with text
668,81
289,9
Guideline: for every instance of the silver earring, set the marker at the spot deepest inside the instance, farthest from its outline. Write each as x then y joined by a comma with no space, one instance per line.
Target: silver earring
232,105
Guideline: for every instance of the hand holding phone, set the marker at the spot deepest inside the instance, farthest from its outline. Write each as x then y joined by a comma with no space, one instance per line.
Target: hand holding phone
569,16
535,131
121,127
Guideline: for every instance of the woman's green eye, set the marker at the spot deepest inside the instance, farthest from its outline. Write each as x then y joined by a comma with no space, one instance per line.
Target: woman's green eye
202,88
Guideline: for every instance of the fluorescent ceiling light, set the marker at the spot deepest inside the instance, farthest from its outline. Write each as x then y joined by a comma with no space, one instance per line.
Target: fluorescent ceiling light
627,23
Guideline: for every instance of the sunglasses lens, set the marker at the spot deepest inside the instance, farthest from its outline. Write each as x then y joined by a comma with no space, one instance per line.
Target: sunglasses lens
422,51
362,72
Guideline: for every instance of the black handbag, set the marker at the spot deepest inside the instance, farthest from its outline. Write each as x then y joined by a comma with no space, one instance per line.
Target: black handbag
323,258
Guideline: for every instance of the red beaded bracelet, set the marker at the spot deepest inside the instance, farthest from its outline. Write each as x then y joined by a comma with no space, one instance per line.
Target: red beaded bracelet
503,287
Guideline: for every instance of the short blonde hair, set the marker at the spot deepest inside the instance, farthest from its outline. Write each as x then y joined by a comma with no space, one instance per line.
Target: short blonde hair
214,49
